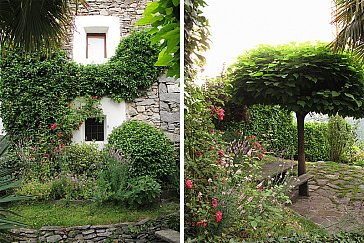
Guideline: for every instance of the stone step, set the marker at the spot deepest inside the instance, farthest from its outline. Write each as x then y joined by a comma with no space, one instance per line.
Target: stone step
168,235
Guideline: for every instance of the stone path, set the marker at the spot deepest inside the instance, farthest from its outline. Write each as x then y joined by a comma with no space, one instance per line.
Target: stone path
336,199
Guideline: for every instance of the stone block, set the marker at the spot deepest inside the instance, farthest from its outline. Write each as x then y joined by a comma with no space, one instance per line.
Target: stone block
168,235
170,117
173,88
163,88
140,109
54,238
170,97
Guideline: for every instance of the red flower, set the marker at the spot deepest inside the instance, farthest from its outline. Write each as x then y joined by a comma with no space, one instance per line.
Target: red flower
62,146
257,145
189,184
221,153
199,153
221,114
260,156
218,216
46,155
69,105
214,202
60,135
202,223
53,126
213,131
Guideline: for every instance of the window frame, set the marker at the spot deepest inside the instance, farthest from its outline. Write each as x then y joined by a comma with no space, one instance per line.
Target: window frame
103,127
97,35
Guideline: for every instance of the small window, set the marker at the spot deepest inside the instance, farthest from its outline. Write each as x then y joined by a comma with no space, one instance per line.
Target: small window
94,129
96,46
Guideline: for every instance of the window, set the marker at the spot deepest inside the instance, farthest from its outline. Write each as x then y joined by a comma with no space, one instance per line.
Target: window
94,129
96,46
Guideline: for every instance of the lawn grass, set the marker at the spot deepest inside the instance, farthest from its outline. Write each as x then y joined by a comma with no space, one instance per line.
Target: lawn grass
62,213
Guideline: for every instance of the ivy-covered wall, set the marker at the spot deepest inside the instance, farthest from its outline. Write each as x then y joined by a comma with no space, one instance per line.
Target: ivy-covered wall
36,92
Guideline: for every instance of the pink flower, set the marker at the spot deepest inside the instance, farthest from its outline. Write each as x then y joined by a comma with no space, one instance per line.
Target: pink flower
189,184
221,114
218,216
53,126
221,153
58,150
202,223
257,145
69,105
46,155
213,131
214,202
60,135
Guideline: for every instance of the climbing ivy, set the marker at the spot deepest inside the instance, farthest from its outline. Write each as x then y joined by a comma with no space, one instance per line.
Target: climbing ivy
36,92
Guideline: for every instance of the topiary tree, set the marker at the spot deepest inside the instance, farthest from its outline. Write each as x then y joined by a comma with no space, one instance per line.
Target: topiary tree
302,78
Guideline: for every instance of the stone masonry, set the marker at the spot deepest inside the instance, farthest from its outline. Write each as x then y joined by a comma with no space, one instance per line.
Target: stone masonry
161,106
143,231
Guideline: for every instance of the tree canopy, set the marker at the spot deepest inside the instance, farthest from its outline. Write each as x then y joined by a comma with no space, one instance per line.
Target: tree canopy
301,77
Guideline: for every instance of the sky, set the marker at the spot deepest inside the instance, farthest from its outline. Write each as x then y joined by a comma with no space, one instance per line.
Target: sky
239,25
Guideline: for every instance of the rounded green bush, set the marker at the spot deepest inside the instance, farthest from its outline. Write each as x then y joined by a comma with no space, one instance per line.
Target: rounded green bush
150,152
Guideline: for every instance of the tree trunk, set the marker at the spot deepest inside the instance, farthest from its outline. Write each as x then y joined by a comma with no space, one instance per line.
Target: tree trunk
303,189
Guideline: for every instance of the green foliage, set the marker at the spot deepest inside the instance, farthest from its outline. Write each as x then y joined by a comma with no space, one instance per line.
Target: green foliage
300,77
37,93
317,146
272,125
63,186
164,18
34,25
81,159
196,35
7,185
150,152
140,192
341,137
112,178
67,214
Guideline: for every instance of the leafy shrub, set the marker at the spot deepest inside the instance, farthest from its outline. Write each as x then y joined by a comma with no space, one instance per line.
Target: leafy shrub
71,187
317,146
63,186
341,137
113,177
36,189
82,159
150,152
272,125
140,191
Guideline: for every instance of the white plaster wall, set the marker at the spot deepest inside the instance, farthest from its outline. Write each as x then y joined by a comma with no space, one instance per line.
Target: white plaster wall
115,115
95,24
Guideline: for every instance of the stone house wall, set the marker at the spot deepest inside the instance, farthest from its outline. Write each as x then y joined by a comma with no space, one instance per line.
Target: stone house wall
161,106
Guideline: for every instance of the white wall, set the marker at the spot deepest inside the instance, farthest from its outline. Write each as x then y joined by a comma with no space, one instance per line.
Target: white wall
95,24
115,113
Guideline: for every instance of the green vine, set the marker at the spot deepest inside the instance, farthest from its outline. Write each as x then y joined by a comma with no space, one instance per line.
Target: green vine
37,92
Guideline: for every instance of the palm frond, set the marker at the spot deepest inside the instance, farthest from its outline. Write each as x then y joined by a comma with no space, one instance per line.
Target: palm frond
349,19
34,24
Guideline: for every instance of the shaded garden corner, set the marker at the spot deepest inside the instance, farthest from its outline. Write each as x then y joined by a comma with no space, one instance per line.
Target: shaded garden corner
336,200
